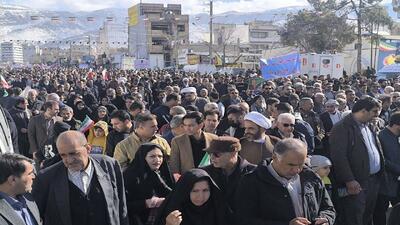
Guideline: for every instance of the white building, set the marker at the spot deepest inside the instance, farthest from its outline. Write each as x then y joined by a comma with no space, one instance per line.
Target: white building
112,36
31,54
12,53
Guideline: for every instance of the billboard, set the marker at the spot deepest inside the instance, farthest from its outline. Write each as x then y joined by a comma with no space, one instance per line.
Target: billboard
281,66
133,14
389,49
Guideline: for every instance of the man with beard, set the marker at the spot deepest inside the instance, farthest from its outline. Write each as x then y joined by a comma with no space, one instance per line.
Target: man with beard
122,127
192,99
256,145
67,113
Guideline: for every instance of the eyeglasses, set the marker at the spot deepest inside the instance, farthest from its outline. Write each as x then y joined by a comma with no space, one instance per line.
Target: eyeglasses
288,125
234,93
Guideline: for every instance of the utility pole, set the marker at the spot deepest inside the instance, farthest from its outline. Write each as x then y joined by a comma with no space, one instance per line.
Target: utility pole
89,46
211,30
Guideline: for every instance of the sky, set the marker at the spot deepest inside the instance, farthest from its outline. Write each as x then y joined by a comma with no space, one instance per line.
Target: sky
188,6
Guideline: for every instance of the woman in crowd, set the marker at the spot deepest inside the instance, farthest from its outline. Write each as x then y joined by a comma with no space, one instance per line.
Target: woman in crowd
196,200
147,182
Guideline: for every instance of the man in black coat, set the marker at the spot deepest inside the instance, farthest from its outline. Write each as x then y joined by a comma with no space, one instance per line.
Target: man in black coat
283,191
358,161
227,167
122,127
21,116
82,189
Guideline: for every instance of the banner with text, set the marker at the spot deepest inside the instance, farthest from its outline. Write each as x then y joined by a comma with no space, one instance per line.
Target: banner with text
281,66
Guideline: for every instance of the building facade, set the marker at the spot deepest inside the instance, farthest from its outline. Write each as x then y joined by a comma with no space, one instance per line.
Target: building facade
112,36
12,53
157,33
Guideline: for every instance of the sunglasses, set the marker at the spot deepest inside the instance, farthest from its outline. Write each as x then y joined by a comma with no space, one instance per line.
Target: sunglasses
288,125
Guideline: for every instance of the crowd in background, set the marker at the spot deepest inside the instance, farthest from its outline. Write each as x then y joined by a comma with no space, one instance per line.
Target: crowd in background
172,147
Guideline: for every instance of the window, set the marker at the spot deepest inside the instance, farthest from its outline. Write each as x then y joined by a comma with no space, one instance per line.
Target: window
181,28
259,34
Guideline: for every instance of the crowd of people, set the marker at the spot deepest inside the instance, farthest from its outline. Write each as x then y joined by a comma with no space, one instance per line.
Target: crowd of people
159,147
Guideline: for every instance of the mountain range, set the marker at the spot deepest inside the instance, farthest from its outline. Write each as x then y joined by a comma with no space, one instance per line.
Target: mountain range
23,23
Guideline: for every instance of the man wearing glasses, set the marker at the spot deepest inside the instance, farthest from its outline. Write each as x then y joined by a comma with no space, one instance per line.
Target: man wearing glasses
227,166
285,128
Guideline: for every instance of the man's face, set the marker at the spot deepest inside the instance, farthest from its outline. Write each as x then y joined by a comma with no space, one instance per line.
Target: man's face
351,96
192,127
23,105
161,96
290,163
23,184
373,113
118,91
286,126
54,110
128,103
308,106
331,108
118,125
190,97
211,122
101,113
177,102
66,115
288,90
221,159
234,120
74,155
32,95
234,94
149,128
252,131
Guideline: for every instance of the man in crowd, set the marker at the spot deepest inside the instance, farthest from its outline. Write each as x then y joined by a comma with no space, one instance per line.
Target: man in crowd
40,130
16,177
81,189
358,161
145,131
162,111
122,127
256,145
211,121
192,99
232,125
284,191
67,114
227,166
176,128
187,150
389,190
329,118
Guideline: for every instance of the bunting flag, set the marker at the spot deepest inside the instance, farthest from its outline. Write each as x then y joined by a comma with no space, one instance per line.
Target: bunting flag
72,19
86,124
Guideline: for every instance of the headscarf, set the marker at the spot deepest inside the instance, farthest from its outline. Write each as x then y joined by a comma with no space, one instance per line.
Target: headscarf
213,212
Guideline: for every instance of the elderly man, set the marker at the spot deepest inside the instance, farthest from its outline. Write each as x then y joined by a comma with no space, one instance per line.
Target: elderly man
187,150
285,128
192,99
81,189
67,113
176,128
284,191
329,118
256,145
227,166
16,177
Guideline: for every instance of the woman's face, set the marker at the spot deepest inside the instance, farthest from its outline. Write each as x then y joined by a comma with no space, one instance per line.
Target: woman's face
154,159
200,193
101,113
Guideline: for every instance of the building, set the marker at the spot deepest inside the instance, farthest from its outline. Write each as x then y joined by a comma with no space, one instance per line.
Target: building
12,53
263,35
112,36
157,33
31,54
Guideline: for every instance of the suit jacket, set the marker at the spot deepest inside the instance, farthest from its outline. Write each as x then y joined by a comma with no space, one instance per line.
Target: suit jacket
349,153
51,191
181,152
9,217
37,133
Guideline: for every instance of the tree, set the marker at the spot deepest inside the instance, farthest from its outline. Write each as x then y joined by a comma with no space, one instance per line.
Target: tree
224,36
316,31
349,8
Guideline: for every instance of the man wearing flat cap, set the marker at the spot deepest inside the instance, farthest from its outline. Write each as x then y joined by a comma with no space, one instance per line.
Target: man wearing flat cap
256,144
227,166
190,98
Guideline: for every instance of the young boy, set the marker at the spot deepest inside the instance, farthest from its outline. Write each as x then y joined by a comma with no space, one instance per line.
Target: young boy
322,166
97,137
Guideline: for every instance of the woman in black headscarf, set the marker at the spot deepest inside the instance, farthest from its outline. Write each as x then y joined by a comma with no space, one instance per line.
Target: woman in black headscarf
148,181
196,200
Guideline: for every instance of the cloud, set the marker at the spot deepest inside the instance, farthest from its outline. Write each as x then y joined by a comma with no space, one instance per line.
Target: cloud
188,6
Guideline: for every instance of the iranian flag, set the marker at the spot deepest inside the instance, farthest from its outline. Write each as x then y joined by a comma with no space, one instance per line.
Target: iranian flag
205,161
86,124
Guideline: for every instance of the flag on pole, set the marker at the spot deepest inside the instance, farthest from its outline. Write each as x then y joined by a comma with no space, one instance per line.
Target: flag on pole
86,124
3,83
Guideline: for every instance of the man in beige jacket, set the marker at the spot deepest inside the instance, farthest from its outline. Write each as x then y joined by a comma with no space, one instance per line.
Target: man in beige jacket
145,131
187,150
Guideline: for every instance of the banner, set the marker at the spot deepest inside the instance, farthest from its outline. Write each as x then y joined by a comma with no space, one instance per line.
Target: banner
133,13
281,66
388,51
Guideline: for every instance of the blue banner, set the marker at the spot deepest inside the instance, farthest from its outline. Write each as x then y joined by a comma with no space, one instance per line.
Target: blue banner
281,66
